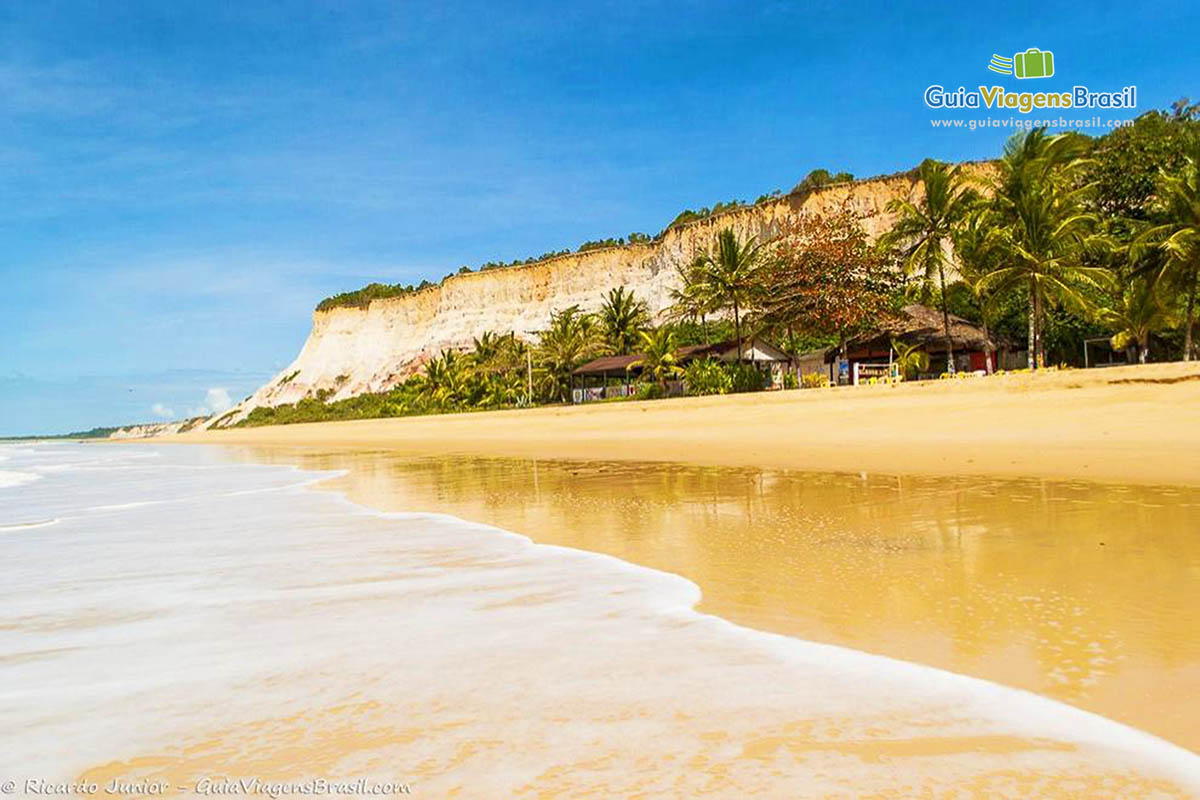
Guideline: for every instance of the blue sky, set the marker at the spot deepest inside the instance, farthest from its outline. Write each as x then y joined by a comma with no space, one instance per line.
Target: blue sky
182,183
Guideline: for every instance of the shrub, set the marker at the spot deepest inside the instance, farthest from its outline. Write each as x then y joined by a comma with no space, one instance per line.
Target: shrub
814,380
707,377
790,381
362,298
649,391
746,377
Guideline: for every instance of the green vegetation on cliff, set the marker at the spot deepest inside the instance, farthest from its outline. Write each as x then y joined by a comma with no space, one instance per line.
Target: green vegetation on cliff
1073,239
361,298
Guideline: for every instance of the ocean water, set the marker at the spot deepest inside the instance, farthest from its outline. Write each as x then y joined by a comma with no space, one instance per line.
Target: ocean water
168,615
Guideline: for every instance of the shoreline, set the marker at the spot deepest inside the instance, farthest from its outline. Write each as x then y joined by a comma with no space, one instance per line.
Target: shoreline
798,555
798,651
1135,424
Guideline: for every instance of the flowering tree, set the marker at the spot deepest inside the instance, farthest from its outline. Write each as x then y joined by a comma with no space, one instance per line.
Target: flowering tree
824,277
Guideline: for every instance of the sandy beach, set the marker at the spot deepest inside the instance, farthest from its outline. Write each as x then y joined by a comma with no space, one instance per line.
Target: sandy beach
1034,531
1024,488
1138,424
283,635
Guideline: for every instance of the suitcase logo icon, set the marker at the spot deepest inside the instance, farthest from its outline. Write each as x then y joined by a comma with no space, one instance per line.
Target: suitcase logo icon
1033,63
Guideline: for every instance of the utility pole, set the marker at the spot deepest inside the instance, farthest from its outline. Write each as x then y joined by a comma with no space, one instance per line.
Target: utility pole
529,372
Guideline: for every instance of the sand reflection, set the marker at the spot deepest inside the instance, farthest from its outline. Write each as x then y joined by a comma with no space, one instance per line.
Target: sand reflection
1086,593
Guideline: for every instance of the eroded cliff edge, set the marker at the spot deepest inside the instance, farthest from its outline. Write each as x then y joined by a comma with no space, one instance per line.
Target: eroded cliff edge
351,351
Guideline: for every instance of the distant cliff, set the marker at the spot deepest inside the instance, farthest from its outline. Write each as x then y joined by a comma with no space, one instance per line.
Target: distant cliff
352,350
151,429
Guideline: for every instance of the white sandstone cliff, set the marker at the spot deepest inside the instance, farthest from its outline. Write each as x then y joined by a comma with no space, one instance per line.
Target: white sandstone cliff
351,351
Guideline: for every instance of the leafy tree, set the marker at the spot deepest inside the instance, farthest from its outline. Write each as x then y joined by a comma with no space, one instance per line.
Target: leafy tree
1127,163
599,244
727,277
688,215
924,230
824,278
361,298
623,317
819,178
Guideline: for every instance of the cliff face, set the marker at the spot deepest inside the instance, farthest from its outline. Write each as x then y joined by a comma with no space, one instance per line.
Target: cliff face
151,429
351,351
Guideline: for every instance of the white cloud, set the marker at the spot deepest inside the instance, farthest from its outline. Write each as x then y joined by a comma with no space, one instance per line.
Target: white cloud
216,401
162,411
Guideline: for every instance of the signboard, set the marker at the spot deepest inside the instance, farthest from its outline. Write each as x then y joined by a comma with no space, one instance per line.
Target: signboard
864,371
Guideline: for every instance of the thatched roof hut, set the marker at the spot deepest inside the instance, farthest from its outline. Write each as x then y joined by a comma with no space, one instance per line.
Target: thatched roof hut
919,324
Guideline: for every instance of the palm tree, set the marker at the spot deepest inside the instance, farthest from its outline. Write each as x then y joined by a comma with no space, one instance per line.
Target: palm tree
623,317
445,383
485,347
727,276
977,255
1136,314
496,374
910,358
573,339
494,353
502,389
1044,231
1179,197
924,230
691,300
658,361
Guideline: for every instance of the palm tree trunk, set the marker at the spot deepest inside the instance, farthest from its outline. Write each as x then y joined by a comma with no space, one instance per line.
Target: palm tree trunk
737,329
1190,318
946,321
987,352
1039,330
1032,355
1143,348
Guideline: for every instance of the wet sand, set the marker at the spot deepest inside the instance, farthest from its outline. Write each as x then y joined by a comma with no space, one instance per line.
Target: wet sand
1083,592
1128,425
